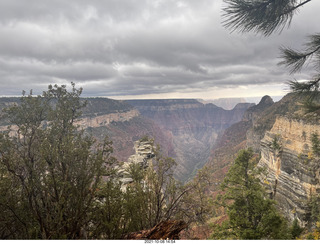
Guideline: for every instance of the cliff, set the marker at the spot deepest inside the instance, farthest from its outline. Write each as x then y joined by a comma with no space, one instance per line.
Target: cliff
282,132
106,119
293,172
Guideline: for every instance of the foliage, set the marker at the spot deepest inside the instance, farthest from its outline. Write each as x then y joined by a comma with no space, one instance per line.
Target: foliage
107,220
163,197
50,169
295,229
265,16
268,16
276,145
314,206
144,138
315,144
250,214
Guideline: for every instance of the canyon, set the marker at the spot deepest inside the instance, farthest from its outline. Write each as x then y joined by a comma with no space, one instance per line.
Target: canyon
197,134
193,128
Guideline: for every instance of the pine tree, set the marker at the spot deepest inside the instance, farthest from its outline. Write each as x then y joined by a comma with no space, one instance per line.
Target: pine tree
250,214
268,16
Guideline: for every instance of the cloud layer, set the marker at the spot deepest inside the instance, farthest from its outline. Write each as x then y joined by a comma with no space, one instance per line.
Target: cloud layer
138,47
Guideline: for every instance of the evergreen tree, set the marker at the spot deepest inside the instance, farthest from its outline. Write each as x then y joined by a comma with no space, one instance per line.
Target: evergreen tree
50,170
250,214
268,16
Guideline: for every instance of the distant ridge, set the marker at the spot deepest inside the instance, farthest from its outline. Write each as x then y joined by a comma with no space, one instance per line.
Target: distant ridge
229,103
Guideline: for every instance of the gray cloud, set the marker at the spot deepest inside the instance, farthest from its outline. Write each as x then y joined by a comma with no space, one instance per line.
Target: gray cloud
137,47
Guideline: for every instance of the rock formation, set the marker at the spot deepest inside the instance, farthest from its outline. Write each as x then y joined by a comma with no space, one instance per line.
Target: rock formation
144,152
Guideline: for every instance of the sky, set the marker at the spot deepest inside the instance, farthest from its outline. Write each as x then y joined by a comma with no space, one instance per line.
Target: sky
131,49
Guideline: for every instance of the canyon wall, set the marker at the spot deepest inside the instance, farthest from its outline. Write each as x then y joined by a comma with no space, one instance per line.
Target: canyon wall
293,171
282,133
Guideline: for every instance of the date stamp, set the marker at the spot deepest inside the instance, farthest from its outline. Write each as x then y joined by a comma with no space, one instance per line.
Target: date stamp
159,241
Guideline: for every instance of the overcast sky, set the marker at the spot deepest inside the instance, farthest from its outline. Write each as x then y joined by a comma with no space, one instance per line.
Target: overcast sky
141,49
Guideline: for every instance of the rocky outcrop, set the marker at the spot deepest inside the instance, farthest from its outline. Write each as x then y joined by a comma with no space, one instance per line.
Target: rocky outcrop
293,171
264,115
144,152
281,132
166,230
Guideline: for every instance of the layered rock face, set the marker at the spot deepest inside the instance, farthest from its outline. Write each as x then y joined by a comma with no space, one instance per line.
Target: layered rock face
193,127
282,132
106,119
293,173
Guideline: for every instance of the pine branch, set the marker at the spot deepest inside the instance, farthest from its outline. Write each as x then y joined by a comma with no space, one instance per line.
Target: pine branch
295,60
311,92
303,87
265,16
311,107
